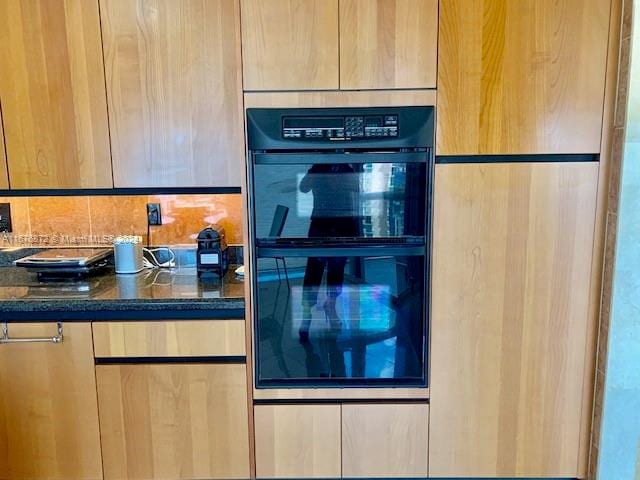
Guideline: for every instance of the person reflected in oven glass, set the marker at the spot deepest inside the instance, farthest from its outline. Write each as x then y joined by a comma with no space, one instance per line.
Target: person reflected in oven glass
335,190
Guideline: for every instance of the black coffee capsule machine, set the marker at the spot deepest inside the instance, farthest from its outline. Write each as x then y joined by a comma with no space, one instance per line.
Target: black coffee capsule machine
212,255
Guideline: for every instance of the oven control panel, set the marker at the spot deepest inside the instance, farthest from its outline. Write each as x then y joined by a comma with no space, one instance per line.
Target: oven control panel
365,127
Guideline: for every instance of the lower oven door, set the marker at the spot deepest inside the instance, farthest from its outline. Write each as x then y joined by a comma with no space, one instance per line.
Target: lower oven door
341,317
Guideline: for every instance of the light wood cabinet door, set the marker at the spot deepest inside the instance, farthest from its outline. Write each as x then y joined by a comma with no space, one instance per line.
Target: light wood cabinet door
388,44
4,175
510,286
166,338
48,406
170,421
385,440
290,44
521,76
175,92
297,441
52,91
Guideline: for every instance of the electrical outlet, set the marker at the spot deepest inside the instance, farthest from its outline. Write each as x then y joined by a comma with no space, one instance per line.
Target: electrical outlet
5,217
154,215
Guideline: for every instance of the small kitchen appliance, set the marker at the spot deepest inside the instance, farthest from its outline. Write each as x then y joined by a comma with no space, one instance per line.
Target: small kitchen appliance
129,257
66,262
212,255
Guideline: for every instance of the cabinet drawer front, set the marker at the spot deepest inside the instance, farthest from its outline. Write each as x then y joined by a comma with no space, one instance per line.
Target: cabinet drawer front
169,339
385,440
297,441
178,422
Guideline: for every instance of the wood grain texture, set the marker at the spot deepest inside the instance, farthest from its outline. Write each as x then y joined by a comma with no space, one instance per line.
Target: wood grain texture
53,94
388,44
175,92
297,441
511,263
290,44
168,422
521,76
597,261
4,174
341,393
385,440
48,406
180,338
385,98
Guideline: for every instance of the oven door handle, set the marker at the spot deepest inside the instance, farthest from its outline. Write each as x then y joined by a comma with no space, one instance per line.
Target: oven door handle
365,251
334,158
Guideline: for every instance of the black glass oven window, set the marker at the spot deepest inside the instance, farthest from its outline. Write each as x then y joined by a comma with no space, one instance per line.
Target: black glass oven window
355,320
370,200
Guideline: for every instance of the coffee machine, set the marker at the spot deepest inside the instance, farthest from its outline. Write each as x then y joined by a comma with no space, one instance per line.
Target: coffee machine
212,255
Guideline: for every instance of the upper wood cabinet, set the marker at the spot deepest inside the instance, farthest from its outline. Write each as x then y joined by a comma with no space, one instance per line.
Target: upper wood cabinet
521,76
510,287
53,95
4,175
290,44
48,405
173,422
174,89
388,43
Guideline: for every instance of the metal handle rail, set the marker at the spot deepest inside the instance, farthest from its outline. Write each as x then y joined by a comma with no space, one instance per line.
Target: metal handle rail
5,339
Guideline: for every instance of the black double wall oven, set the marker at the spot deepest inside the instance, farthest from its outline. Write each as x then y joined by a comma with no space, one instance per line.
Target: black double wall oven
340,228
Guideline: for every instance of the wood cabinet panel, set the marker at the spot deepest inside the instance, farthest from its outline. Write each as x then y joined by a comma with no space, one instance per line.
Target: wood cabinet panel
48,406
175,92
388,44
385,440
53,95
297,441
181,338
4,174
174,421
386,98
521,76
290,44
510,285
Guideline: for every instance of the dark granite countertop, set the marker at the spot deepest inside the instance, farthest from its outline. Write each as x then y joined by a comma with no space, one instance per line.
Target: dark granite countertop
151,294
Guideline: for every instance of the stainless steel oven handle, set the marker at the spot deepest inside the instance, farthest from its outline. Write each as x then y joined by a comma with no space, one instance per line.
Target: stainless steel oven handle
5,339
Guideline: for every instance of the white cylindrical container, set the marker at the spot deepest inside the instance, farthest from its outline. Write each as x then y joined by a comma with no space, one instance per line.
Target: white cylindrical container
128,254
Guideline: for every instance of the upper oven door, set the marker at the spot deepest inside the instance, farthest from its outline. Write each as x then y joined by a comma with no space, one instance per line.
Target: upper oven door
315,197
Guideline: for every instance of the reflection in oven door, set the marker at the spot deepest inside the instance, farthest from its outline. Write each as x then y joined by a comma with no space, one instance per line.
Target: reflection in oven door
341,320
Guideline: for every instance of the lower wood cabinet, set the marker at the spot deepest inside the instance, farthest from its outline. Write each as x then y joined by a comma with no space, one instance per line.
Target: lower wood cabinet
297,441
385,440
48,406
174,421
510,286
334,441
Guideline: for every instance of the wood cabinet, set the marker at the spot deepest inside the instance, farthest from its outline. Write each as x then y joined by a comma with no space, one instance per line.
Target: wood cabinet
4,174
182,338
385,440
175,92
521,76
48,406
52,91
510,285
388,44
331,45
174,421
297,441
290,44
